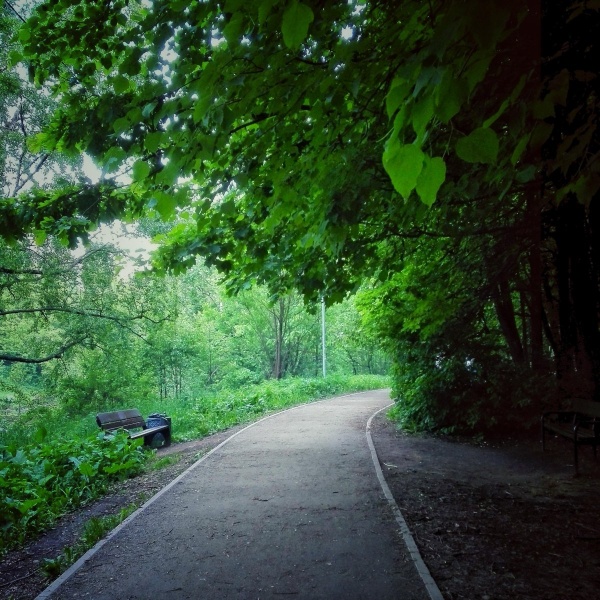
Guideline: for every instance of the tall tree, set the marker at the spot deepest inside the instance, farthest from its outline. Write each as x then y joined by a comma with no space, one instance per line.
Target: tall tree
308,139
52,301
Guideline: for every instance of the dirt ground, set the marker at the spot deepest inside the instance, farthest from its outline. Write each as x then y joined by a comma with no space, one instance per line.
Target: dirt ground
492,521
498,520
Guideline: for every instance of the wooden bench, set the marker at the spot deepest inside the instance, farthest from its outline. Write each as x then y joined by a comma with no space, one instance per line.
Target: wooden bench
156,432
581,425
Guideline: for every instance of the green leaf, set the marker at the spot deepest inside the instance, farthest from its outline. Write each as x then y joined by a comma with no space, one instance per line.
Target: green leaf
153,140
396,96
169,174
37,142
86,469
519,149
403,164
121,125
26,506
452,94
296,19
141,170
505,104
149,109
586,187
40,434
24,33
478,68
527,174
421,114
480,146
40,236
540,134
131,62
233,30
14,58
497,114
120,84
20,458
113,158
431,178
165,204
201,107
264,9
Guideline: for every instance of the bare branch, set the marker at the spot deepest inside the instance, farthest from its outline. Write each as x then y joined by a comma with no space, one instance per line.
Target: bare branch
77,311
57,354
14,10
8,271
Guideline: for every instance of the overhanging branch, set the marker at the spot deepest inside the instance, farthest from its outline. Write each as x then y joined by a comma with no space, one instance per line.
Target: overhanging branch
77,311
54,355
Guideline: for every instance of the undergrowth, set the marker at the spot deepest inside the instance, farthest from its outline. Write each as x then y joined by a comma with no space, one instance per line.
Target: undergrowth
40,483
93,531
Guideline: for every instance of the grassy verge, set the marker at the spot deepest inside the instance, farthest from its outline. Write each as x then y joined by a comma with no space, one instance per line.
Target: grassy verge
93,531
42,482
213,411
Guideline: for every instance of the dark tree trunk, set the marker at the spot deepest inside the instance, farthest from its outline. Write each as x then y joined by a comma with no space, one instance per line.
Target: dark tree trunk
535,283
578,360
506,317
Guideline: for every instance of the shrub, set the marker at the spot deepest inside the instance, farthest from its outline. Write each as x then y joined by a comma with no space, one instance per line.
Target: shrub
43,482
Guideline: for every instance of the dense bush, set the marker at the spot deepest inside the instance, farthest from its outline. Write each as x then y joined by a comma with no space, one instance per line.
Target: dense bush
464,392
40,483
218,410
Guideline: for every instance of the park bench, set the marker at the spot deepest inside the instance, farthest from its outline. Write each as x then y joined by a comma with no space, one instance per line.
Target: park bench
580,424
156,431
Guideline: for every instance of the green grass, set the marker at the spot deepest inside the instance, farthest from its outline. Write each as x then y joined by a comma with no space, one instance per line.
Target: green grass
156,464
93,531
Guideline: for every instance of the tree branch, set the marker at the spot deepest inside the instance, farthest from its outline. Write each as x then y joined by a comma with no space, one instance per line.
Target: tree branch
14,10
255,121
8,271
57,354
77,311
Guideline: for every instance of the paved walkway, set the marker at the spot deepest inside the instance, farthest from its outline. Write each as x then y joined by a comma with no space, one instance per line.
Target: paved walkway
288,507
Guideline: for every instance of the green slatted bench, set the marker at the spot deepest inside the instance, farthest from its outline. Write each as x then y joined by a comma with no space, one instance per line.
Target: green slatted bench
156,431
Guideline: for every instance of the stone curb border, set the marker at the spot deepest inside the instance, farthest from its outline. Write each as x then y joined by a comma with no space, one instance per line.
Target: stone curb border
430,585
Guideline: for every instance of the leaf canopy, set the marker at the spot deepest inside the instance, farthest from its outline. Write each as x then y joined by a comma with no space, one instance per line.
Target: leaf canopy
311,120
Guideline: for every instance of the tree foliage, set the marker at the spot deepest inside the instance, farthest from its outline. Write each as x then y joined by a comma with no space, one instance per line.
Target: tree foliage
24,111
311,144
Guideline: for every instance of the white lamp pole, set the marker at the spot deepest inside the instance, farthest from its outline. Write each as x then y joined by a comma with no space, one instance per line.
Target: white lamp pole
323,334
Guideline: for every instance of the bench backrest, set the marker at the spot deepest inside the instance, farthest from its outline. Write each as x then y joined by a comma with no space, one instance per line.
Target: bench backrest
126,419
586,407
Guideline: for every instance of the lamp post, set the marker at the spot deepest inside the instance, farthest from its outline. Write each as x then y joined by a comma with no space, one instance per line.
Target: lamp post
323,334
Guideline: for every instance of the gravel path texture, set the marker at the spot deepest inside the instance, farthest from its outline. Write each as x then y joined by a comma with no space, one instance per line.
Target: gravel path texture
290,506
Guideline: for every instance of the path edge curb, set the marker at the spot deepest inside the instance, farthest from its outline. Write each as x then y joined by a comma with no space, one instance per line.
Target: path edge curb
430,585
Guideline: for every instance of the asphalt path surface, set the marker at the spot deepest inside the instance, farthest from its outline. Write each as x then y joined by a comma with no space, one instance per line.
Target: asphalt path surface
289,507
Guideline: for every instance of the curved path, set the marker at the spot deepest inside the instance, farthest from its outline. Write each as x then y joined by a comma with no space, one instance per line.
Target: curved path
290,506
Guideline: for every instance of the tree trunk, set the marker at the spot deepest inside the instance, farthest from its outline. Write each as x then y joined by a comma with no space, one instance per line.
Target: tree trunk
578,360
535,280
506,317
